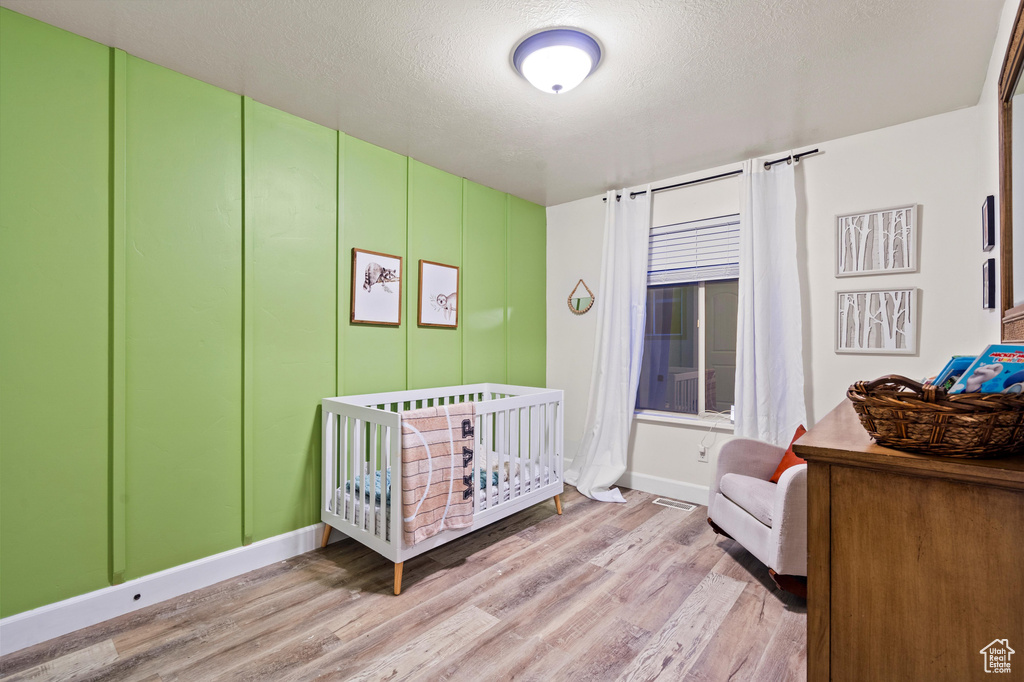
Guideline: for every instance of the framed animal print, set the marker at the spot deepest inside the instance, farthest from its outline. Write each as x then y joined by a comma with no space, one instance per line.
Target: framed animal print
439,295
376,288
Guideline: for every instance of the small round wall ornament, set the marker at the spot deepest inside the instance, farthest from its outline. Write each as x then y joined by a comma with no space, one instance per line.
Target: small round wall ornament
581,301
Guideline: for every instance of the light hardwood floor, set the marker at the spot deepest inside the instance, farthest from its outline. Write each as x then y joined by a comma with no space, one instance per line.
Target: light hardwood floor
632,591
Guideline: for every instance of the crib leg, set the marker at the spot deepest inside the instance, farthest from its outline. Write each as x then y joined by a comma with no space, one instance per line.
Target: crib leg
558,504
398,577
327,535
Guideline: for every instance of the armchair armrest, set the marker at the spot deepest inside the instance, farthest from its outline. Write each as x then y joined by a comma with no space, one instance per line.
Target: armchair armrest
789,523
747,457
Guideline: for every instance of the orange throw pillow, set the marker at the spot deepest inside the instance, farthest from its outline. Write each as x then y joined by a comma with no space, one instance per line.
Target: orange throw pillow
789,459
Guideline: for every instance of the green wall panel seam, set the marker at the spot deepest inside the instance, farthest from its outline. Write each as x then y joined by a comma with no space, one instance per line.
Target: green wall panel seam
508,269
412,272
409,318
118,140
462,283
248,230
412,324
462,275
339,311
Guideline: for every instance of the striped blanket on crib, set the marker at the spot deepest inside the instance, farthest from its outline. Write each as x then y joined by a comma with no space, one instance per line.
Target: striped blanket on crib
437,470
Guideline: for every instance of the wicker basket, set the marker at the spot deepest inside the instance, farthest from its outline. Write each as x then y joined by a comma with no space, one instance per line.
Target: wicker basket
905,415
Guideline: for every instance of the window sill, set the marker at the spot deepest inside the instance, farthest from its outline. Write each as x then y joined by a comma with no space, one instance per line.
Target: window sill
691,420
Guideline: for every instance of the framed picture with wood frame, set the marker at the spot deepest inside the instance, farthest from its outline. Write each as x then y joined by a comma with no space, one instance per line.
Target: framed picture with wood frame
438,304
376,288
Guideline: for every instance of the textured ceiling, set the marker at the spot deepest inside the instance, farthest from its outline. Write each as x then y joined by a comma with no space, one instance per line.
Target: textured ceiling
684,84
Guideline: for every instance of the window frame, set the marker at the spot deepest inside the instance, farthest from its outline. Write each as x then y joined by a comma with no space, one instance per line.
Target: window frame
703,417
702,413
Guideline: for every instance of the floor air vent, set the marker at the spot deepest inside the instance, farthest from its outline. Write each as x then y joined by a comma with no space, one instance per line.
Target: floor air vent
675,504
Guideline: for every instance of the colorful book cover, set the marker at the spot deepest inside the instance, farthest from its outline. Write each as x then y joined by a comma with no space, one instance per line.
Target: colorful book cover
1000,369
953,370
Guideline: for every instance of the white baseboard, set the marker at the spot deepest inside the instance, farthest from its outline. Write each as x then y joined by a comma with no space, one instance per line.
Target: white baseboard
53,620
656,485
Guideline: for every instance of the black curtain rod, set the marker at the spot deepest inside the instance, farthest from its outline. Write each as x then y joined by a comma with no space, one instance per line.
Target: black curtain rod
767,166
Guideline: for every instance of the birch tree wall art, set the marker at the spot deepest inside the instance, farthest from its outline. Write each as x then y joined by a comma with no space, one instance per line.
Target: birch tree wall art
877,242
880,321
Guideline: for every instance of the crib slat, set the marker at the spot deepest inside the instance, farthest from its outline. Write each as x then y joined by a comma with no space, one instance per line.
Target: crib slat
358,448
524,450
527,453
501,452
508,429
478,434
361,453
540,443
514,450
515,445
532,450
499,437
352,473
395,466
500,448
524,447
513,438
510,437
385,485
372,477
345,467
554,442
559,431
545,464
553,447
542,452
328,421
342,474
338,480
485,445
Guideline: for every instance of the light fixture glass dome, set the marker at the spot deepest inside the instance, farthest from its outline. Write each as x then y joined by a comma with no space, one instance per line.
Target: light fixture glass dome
557,60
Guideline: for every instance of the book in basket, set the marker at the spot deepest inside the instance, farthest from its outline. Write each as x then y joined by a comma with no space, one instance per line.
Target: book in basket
953,370
1000,369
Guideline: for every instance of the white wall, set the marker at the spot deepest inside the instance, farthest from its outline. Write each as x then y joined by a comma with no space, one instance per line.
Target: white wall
939,164
946,164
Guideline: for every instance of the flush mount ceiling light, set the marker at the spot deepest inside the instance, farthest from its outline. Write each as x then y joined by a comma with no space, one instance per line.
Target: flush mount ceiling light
556,60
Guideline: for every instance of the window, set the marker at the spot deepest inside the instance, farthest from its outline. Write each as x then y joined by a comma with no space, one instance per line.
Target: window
689,363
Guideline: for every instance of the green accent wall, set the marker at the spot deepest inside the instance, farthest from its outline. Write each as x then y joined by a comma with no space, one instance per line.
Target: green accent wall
375,219
183,318
483,303
526,307
175,282
292,227
435,234
54,223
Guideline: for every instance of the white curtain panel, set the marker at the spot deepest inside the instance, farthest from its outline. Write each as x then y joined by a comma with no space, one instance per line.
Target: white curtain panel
621,310
769,351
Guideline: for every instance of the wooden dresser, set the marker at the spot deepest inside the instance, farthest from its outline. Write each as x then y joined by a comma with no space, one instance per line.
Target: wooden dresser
915,563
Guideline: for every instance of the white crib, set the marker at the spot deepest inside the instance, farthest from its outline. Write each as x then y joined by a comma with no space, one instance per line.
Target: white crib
518,430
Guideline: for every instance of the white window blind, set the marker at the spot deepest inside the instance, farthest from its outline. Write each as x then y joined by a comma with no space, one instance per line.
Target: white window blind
695,251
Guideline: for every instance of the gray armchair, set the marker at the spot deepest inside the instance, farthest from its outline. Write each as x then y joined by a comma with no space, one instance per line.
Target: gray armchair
768,519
